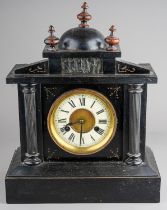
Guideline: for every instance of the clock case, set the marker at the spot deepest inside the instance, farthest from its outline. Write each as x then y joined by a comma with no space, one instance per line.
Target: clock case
52,175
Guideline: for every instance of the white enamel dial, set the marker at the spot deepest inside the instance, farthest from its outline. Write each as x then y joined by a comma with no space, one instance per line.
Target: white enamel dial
82,121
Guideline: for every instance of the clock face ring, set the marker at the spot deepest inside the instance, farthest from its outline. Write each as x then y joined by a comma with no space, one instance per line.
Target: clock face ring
82,121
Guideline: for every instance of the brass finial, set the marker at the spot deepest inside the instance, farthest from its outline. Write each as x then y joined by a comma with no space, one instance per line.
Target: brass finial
84,16
51,40
111,40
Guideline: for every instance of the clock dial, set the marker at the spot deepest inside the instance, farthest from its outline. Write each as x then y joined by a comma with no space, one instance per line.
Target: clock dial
82,121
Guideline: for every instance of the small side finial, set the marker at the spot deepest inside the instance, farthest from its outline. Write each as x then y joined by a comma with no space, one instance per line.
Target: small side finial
111,40
112,29
84,16
51,40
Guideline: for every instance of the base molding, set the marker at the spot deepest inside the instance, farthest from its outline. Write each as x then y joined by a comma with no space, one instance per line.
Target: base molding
83,182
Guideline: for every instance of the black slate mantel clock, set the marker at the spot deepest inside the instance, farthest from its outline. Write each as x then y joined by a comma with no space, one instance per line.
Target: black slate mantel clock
82,123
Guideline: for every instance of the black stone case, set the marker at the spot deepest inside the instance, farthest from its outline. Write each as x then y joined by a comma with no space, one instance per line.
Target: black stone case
125,170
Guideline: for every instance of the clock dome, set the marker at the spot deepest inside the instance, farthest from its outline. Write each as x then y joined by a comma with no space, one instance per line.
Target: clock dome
82,39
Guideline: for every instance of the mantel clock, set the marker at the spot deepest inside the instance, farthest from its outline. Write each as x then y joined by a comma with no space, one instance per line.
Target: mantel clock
82,117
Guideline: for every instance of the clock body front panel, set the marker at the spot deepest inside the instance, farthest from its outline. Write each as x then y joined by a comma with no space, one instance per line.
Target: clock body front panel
82,122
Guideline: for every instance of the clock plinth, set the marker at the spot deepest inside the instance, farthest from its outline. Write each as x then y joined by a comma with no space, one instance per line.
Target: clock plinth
83,182
82,118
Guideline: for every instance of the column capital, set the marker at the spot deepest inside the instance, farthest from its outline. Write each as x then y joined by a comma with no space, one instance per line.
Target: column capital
135,88
28,88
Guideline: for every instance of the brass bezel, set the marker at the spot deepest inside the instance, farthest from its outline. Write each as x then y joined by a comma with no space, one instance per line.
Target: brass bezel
81,150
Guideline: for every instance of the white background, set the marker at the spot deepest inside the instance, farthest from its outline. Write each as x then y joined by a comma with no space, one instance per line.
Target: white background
142,29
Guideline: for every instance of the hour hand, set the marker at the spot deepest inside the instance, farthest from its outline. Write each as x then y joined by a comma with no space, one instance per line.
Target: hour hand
67,126
71,123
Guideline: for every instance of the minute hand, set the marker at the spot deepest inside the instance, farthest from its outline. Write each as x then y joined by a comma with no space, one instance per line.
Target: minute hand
81,134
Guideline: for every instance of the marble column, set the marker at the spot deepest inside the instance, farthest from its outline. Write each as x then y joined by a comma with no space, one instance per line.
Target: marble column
134,155
31,155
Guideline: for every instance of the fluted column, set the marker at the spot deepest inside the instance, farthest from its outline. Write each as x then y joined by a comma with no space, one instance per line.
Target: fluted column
134,155
31,155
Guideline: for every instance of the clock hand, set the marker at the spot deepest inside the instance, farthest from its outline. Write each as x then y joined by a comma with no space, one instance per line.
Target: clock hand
71,123
81,123
81,135
66,127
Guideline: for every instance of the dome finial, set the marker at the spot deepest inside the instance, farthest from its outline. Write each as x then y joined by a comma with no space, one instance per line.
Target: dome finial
84,16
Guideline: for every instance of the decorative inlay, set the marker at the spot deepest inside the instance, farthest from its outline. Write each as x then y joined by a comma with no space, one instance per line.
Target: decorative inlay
81,65
50,92
114,154
114,91
126,69
38,69
51,154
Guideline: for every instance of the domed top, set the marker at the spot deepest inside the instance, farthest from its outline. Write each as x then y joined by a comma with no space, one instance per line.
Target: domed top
82,39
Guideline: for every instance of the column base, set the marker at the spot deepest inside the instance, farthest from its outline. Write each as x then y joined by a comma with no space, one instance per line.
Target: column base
32,159
134,160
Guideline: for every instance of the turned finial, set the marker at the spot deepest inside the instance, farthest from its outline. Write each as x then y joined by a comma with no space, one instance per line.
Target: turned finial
51,40
112,29
84,16
111,40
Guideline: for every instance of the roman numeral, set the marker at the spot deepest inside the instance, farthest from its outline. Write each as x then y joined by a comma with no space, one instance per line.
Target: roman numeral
92,138
72,103
102,121
71,137
100,131
99,112
93,104
62,120
64,111
82,101
63,130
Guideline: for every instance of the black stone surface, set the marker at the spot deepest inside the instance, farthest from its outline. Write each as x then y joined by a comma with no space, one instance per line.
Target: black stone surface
82,39
86,182
60,78
102,53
